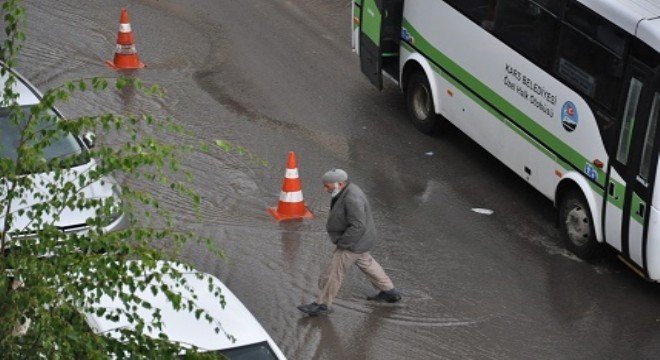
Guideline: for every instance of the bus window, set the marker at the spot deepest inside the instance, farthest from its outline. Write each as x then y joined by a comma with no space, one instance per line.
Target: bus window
632,100
481,12
645,54
595,27
590,68
552,6
528,28
647,152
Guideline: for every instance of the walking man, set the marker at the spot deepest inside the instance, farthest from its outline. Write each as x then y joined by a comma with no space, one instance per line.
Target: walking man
351,228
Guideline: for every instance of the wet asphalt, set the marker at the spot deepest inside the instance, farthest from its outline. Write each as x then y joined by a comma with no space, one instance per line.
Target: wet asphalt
278,76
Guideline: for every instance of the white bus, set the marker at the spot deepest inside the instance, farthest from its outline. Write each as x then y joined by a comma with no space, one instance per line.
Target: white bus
564,92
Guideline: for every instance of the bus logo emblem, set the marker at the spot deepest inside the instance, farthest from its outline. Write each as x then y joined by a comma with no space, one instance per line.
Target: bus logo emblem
569,116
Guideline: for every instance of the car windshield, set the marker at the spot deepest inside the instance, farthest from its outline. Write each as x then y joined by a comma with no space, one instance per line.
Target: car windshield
258,351
61,146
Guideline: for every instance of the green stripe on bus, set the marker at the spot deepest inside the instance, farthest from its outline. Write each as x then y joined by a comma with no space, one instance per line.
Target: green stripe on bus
495,103
597,189
620,191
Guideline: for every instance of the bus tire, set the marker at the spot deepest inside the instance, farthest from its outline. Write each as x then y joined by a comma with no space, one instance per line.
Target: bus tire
419,100
576,225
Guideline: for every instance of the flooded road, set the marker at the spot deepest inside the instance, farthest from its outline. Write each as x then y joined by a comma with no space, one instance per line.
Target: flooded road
278,76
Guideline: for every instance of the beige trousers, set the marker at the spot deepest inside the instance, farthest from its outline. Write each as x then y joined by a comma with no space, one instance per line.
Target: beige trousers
331,279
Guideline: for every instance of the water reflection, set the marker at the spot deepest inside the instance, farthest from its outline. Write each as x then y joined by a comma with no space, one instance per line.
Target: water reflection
291,235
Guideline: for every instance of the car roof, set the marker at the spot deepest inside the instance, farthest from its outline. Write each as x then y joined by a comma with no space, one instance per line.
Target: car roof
182,326
27,93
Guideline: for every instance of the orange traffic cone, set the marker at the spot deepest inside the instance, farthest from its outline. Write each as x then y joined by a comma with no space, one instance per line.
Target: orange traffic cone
125,53
291,204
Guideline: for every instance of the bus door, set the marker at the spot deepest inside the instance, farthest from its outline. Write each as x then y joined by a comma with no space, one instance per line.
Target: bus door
628,201
379,36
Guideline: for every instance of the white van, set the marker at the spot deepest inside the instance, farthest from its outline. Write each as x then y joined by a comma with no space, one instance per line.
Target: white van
251,341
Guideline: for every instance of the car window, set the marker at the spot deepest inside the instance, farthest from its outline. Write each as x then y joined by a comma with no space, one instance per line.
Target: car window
258,351
62,146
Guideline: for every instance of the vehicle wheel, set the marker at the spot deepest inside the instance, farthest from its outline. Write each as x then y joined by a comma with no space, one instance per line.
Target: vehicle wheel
419,100
577,226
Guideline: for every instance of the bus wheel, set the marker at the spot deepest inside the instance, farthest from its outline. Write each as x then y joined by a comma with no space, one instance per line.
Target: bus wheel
577,226
420,103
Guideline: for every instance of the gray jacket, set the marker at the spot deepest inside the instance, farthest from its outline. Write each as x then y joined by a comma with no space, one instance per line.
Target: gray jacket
350,224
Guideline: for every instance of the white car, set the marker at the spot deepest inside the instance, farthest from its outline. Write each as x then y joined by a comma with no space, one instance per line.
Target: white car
69,146
250,339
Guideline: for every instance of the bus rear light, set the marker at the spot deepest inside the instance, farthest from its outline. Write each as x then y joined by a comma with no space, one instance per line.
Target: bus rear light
597,163
449,92
559,173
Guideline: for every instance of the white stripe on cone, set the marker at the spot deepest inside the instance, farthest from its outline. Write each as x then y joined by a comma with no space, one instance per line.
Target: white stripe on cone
125,49
291,173
124,28
291,197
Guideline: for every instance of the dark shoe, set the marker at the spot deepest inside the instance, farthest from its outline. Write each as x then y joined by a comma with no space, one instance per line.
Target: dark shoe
390,296
314,309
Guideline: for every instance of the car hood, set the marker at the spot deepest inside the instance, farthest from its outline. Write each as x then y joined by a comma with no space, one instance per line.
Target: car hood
69,219
182,326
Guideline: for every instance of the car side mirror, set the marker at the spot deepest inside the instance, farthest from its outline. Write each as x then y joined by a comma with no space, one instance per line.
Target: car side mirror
89,139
